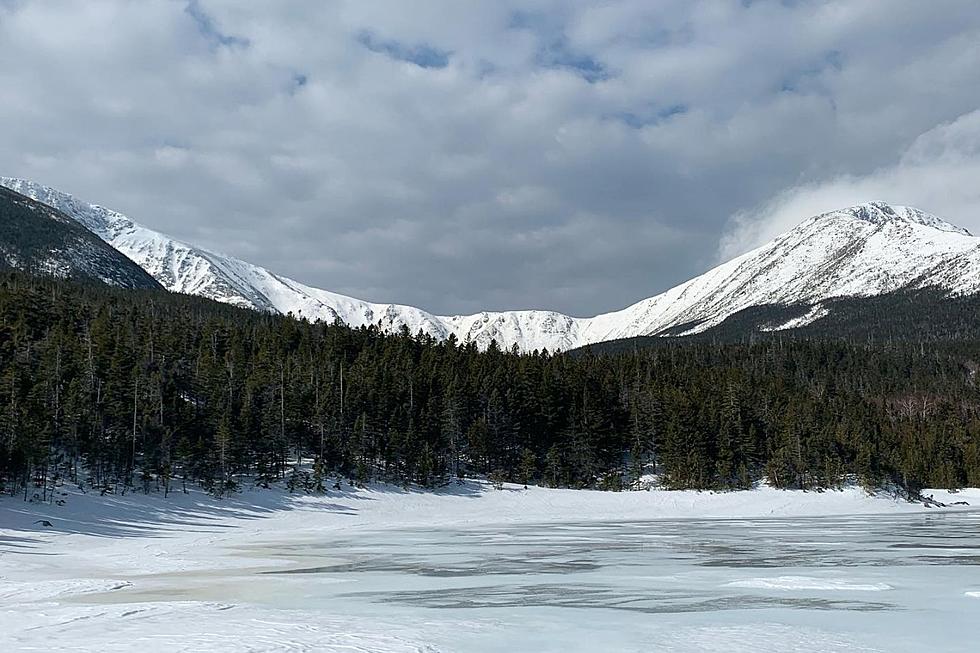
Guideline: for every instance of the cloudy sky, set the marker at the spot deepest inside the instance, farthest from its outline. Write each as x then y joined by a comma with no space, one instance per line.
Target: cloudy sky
460,156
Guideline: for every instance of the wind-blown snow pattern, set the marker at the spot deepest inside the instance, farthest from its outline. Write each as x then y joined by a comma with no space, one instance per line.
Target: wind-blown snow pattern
861,251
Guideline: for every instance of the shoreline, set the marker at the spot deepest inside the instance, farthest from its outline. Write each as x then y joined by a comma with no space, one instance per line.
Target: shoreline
256,511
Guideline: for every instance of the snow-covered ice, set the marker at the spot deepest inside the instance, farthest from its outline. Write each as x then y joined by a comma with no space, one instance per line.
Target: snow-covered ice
473,569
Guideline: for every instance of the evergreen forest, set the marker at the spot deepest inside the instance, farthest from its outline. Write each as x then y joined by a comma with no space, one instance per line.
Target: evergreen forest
140,390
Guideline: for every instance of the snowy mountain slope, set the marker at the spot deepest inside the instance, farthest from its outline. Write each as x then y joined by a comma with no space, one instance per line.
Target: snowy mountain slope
863,250
41,239
177,266
187,269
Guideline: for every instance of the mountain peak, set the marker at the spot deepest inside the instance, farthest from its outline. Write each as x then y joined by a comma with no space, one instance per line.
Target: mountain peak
860,251
881,213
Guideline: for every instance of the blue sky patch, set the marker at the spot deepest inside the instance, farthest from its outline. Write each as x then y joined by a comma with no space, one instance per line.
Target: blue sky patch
420,54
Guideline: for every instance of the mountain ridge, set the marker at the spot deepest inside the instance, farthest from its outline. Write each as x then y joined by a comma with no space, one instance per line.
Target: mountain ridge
41,239
865,250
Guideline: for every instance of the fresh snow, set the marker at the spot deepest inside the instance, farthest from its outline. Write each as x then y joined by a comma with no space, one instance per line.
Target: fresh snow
469,568
863,250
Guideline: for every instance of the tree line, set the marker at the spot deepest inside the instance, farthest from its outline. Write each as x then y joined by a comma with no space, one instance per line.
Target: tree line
149,390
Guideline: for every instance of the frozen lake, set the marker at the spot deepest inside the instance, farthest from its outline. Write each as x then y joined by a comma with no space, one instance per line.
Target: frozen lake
472,569
905,582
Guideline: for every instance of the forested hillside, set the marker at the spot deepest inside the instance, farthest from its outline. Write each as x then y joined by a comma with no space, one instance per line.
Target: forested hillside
146,389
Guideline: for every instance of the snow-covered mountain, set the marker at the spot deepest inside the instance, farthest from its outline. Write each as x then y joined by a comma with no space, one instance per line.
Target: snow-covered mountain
184,268
41,239
863,250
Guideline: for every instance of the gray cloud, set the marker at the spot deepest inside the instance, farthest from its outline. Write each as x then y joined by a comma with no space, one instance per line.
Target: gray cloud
458,156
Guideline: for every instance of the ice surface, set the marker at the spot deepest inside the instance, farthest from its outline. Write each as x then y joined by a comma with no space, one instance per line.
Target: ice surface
809,583
476,570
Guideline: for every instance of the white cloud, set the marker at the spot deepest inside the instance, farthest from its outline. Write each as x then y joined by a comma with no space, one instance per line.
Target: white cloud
939,173
507,177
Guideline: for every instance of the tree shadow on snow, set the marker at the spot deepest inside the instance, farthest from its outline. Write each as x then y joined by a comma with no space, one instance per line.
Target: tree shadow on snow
14,544
137,514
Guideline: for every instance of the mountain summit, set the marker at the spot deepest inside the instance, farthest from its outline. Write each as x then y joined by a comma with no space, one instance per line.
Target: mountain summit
881,213
864,250
860,251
